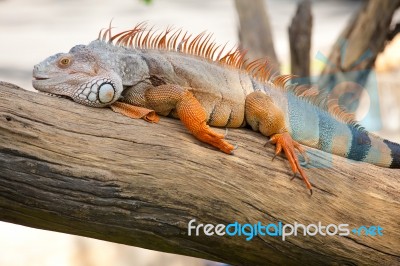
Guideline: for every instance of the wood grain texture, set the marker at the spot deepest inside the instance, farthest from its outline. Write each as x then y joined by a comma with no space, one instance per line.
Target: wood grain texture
91,172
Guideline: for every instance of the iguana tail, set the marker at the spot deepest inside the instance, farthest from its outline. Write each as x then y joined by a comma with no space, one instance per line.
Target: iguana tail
319,129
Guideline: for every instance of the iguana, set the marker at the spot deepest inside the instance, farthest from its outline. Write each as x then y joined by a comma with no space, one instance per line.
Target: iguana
141,73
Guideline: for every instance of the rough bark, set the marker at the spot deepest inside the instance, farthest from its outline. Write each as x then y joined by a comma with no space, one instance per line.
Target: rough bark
91,172
355,51
300,40
255,32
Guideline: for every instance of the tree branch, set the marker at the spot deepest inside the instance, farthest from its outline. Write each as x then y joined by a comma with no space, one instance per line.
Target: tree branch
355,51
85,171
300,40
255,32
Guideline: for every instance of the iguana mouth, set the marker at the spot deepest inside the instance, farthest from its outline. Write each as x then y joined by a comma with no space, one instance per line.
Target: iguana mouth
56,95
40,78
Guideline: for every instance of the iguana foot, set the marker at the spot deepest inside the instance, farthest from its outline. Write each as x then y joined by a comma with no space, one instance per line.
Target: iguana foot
284,141
135,112
205,134
297,146
302,152
193,116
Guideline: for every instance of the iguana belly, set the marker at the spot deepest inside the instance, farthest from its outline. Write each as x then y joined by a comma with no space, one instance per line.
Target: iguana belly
222,112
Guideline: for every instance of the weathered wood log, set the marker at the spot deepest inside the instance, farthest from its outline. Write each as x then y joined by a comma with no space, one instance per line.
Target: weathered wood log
255,32
91,172
300,40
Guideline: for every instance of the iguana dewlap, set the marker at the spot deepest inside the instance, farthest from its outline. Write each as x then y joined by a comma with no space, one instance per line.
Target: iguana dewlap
140,74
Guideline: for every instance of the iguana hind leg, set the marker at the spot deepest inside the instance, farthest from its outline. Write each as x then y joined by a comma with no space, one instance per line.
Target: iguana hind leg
264,116
166,98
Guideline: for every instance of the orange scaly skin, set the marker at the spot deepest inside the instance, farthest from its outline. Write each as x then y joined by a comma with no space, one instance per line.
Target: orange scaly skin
193,116
135,112
166,98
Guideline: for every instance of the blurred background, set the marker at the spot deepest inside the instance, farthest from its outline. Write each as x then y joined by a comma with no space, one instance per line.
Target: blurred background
32,30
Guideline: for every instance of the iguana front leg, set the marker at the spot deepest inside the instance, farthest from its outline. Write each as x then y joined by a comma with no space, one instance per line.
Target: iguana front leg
264,116
135,112
164,99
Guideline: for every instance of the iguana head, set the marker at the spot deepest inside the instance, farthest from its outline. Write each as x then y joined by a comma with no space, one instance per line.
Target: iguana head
79,75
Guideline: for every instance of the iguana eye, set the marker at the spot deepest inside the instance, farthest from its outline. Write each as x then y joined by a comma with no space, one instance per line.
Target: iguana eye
64,62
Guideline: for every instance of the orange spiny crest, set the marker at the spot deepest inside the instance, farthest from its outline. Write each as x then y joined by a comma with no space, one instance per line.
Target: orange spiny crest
183,43
120,38
202,45
139,37
334,108
214,49
194,42
221,52
257,71
100,36
163,41
281,80
104,36
306,91
225,58
145,41
107,32
241,59
154,41
260,69
171,41
250,66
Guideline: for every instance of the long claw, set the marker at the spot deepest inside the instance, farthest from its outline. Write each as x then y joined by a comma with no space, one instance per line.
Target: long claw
305,163
267,143
302,152
235,147
278,150
272,140
306,159
293,176
285,142
226,132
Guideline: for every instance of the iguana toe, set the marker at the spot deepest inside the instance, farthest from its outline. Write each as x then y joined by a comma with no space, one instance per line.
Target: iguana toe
285,143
